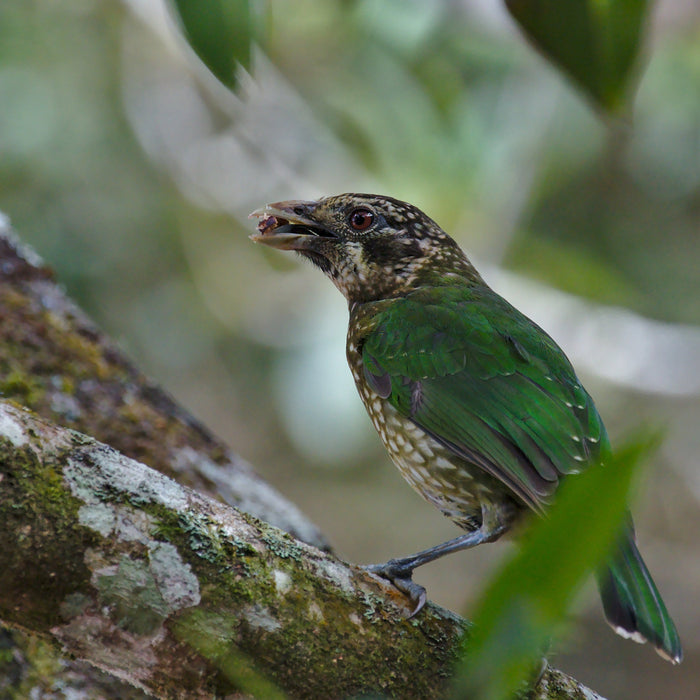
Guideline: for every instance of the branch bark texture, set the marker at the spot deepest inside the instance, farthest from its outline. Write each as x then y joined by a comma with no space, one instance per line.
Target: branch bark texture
176,592
186,597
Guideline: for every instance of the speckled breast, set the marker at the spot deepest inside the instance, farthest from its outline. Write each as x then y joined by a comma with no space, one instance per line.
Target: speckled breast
456,487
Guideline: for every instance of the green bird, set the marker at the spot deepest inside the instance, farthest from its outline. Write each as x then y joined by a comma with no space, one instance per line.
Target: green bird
478,407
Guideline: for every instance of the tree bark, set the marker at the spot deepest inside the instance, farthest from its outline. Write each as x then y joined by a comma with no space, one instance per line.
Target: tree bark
159,584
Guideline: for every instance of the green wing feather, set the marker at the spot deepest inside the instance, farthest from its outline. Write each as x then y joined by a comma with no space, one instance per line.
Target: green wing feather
484,380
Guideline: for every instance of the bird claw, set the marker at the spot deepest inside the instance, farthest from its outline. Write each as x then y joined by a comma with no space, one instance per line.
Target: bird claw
400,578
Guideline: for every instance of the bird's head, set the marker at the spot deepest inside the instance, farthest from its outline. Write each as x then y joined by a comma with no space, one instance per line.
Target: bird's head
372,247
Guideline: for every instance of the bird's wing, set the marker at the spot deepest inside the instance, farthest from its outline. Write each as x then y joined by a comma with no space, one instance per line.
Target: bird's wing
484,380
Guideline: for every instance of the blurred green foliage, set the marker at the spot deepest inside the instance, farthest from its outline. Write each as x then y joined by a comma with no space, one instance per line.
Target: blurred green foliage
596,43
235,666
220,32
528,599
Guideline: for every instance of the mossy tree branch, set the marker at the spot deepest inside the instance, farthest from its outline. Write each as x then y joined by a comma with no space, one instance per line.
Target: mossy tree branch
169,589
184,596
154,582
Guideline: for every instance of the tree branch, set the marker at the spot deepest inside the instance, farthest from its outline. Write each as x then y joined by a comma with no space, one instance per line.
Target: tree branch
184,596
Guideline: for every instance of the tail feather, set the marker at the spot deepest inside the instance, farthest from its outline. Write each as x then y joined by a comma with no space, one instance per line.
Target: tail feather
633,606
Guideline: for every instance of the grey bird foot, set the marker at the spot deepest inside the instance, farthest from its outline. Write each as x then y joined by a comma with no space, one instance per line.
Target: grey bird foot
400,577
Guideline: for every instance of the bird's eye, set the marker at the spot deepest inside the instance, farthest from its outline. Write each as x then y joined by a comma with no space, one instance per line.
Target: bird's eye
361,219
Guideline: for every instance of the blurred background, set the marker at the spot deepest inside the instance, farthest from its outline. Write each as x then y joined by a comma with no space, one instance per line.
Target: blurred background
132,171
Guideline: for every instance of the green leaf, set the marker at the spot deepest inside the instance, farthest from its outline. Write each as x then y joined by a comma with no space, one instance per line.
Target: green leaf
528,599
596,42
211,635
571,268
220,32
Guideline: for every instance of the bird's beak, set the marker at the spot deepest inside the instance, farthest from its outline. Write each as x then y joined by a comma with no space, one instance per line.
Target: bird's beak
287,225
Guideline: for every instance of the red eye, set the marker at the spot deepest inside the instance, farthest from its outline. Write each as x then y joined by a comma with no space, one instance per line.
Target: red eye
361,219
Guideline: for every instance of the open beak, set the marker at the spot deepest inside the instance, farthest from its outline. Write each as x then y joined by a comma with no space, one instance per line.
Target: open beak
287,225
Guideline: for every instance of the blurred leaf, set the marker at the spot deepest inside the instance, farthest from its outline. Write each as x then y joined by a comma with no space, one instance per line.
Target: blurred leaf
211,637
220,32
572,268
596,42
531,594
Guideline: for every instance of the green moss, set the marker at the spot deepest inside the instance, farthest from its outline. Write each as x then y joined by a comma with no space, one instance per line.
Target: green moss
25,665
31,668
63,371
303,640
214,556
351,671
204,537
210,542
108,493
20,387
35,506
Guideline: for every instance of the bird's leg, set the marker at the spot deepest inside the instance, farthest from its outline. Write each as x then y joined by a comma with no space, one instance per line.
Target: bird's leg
400,571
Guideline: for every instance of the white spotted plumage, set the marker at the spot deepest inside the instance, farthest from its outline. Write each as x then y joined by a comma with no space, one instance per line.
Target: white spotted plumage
435,472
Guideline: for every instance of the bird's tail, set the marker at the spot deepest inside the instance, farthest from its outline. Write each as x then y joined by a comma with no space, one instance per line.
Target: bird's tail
632,604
